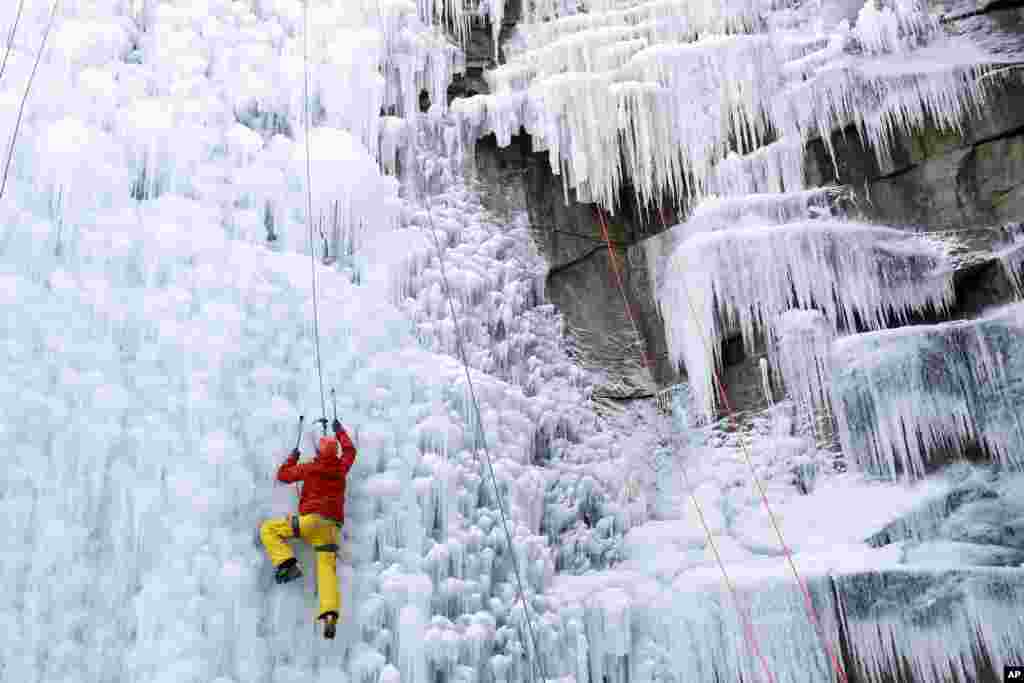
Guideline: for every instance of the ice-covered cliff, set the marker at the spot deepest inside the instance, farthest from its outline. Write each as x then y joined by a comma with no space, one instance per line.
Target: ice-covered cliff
159,244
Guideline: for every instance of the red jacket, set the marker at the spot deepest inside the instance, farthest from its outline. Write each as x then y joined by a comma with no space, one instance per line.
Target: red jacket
323,489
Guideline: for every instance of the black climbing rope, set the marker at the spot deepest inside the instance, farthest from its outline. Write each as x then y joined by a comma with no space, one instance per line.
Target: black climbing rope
10,37
28,86
535,660
309,208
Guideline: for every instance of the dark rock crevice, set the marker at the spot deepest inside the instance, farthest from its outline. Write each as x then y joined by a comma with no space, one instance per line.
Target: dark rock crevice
996,6
624,399
590,238
552,272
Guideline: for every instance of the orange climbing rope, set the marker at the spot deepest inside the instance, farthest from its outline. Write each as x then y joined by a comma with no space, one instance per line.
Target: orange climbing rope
748,626
811,612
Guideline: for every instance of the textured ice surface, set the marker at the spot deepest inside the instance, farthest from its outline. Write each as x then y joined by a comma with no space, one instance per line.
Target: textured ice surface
801,354
157,353
719,281
900,395
158,348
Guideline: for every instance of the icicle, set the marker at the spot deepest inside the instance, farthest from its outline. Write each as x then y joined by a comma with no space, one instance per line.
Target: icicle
900,394
742,278
723,113
1012,259
766,383
801,351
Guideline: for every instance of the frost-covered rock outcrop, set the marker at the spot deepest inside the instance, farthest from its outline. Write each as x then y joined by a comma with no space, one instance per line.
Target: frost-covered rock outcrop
712,110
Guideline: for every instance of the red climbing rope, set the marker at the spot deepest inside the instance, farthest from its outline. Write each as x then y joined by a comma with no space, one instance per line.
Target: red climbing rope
748,626
811,612
622,290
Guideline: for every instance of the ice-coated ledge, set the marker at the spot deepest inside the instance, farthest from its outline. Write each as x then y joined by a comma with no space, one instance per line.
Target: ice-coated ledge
689,628
745,276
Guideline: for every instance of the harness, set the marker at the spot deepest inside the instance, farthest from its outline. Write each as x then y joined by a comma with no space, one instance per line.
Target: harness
324,548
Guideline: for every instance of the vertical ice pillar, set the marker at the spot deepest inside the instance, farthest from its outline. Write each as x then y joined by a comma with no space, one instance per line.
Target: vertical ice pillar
800,352
412,661
609,635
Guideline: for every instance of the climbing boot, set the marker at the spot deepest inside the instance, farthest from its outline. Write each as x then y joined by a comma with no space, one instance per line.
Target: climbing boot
330,620
289,570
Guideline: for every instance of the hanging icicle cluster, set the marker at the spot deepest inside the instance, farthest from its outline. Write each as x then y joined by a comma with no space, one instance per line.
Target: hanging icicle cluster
680,91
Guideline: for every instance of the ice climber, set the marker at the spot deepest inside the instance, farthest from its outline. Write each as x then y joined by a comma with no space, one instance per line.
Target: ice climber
321,515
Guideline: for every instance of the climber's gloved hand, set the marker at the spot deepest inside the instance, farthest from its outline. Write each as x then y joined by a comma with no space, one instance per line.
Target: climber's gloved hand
294,454
336,425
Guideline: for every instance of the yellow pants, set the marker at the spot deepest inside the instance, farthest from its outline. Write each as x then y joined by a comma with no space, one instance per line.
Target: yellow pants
319,532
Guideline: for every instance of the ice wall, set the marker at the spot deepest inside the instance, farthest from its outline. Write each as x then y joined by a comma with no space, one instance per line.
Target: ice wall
156,280
688,629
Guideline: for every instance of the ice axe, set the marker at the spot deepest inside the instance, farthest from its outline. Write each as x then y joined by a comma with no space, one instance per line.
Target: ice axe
334,400
298,438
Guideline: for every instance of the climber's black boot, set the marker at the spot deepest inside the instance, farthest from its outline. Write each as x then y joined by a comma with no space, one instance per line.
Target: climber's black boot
288,570
330,620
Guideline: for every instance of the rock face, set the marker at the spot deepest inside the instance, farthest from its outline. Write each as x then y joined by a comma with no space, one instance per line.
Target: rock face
939,180
943,179
581,281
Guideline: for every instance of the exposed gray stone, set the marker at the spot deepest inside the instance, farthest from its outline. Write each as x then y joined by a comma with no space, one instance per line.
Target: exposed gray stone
979,286
603,336
580,278
641,291
978,185
571,237
568,232
998,30
996,25
938,179
954,10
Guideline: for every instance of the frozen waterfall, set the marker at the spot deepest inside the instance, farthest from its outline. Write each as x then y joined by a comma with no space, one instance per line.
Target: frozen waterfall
156,273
